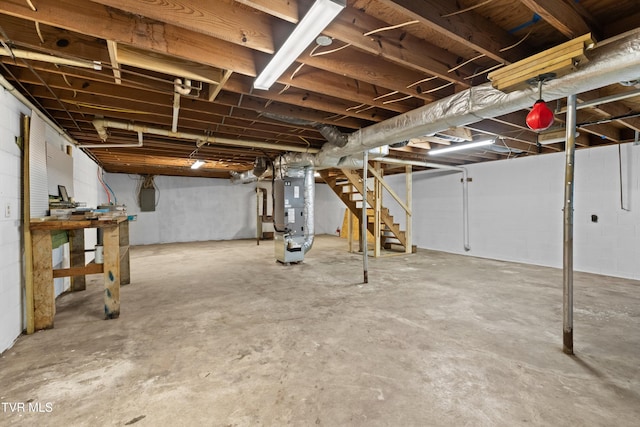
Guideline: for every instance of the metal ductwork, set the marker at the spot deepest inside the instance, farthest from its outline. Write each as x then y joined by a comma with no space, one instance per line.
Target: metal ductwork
309,206
333,135
245,177
399,144
609,63
260,166
288,119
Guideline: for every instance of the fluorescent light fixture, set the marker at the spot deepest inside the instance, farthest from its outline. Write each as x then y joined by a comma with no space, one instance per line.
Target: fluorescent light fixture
197,164
554,136
475,144
314,22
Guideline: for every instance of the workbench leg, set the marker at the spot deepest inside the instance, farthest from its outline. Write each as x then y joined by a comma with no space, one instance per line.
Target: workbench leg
125,270
76,252
111,242
44,302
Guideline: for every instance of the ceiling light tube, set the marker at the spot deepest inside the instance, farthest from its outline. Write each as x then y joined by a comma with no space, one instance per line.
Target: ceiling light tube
554,136
314,22
475,144
197,164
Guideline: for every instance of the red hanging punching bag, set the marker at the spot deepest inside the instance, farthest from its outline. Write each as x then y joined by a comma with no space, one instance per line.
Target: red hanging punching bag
540,117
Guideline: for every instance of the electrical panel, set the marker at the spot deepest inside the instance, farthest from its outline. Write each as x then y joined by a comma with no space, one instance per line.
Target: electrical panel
147,199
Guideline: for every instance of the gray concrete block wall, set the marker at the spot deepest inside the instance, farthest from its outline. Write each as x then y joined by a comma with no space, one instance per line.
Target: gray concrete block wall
200,209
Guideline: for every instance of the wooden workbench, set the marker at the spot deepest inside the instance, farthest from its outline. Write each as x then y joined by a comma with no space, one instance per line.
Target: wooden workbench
115,266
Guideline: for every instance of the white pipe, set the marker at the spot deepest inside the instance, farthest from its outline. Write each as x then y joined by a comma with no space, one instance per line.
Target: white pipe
178,89
606,100
176,111
182,89
139,144
9,87
101,126
465,190
35,56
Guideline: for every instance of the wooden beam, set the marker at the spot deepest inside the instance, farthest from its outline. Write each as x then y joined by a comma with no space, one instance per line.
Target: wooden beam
78,271
214,89
222,20
113,56
378,72
350,27
286,10
627,23
469,29
125,28
314,100
250,108
167,65
560,16
560,60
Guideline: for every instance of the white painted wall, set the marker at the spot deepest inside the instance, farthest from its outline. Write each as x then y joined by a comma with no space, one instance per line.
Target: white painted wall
329,210
11,250
515,210
198,209
85,185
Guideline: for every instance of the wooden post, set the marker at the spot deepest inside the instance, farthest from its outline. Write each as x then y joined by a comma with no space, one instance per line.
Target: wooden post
350,229
125,270
76,252
26,227
43,291
111,240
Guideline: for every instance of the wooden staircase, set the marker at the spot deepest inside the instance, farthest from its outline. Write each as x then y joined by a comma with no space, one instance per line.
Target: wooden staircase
348,183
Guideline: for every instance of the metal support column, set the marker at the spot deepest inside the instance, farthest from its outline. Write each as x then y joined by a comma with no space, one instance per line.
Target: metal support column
363,218
567,266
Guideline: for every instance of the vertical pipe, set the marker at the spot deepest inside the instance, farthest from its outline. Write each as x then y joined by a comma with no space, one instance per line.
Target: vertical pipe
363,217
258,218
377,197
567,276
408,172
176,111
465,209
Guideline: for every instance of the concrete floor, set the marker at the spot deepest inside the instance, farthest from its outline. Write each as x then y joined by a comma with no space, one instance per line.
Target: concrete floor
218,334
